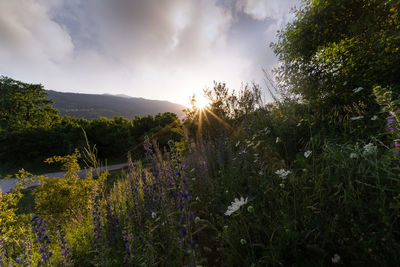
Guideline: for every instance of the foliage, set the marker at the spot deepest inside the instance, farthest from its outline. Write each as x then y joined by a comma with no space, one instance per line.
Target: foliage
113,138
69,197
335,52
24,106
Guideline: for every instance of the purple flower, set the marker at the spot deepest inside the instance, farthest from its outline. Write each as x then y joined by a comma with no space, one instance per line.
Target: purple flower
391,128
42,237
391,120
182,231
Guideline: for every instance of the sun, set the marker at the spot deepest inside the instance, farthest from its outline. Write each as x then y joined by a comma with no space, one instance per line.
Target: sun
201,102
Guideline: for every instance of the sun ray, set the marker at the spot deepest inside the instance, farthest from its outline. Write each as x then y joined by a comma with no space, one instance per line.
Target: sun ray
224,123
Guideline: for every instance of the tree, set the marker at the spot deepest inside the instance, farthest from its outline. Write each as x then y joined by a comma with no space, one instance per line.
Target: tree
24,106
335,52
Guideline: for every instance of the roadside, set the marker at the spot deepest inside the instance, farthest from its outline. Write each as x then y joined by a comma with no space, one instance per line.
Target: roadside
8,184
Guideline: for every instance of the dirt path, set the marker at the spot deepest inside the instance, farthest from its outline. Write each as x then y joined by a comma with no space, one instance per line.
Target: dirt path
7,185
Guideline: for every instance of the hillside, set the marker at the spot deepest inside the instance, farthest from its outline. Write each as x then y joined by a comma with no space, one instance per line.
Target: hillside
91,106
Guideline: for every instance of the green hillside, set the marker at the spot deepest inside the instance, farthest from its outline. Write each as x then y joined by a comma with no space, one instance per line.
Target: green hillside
91,106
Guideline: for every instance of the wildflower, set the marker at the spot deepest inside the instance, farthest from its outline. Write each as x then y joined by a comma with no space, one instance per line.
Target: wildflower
307,153
63,246
43,239
235,206
336,258
353,155
182,231
391,128
356,90
391,120
356,118
369,149
282,173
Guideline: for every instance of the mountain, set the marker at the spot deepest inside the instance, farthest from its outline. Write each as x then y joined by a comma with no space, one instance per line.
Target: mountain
91,106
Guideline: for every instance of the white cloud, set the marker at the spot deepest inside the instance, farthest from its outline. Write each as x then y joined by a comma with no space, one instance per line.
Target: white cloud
165,49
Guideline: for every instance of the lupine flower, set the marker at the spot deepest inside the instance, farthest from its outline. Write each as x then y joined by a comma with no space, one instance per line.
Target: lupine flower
2,250
27,258
130,250
113,228
391,128
282,173
43,238
307,153
235,206
64,247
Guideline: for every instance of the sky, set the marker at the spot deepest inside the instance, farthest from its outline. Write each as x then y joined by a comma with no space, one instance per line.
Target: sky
155,49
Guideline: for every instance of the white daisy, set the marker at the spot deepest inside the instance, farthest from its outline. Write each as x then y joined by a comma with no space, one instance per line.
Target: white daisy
235,206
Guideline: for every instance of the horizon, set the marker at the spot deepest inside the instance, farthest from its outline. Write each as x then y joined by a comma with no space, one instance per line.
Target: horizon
165,51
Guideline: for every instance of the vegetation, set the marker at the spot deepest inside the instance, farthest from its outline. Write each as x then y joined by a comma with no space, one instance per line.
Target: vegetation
311,179
32,130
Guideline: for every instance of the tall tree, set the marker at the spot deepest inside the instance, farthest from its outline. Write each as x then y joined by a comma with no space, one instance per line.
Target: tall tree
24,106
335,52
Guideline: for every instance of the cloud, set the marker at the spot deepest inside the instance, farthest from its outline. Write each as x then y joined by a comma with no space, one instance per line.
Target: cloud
265,9
25,37
165,49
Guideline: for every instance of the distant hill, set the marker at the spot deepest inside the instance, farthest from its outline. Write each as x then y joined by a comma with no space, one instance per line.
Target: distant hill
91,106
